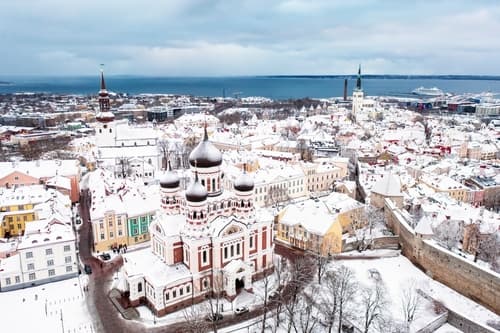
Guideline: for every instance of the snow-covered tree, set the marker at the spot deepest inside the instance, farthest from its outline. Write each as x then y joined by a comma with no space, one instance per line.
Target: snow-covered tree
411,301
449,233
373,304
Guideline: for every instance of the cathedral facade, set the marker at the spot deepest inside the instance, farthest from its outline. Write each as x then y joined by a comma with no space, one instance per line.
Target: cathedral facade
205,240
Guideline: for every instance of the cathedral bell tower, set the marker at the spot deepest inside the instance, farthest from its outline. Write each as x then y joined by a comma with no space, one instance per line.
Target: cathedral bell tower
357,95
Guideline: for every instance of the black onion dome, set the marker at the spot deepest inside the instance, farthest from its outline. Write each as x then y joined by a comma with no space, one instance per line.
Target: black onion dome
244,182
196,192
169,179
205,155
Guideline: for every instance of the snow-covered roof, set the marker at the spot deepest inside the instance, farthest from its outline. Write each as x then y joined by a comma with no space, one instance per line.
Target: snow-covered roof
424,226
389,186
155,271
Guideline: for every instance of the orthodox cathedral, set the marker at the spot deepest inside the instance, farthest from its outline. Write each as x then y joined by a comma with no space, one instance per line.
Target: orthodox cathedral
205,240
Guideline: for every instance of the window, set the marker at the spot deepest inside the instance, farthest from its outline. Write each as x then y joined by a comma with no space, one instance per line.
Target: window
31,267
52,272
18,279
119,221
205,284
120,233
67,248
188,289
139,287
29,255
111,235
174,293
20,207
67,259
181,291
48,252
238,249
50,262
102,236
32,276
225,253
7,281
69,269
205,259
167,296
232,250
110,223
251,241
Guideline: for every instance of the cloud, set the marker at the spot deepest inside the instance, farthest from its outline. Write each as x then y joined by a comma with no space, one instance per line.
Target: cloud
247,37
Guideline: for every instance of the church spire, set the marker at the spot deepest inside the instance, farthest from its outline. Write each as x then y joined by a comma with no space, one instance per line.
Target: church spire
358,80
104,114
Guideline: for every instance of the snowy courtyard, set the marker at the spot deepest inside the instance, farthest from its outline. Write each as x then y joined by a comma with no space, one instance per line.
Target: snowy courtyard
47,308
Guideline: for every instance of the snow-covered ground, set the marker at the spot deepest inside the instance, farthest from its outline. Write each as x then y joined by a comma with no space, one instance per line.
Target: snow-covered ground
396,272
47,308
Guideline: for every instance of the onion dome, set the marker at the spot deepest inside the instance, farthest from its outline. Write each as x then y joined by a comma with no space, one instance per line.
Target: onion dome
196,192
205,155
244,182
169,179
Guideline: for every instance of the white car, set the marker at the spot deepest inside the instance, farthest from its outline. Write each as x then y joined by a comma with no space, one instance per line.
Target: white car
240,310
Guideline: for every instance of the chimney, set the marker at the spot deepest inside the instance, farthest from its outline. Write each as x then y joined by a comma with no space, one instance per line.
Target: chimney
345,90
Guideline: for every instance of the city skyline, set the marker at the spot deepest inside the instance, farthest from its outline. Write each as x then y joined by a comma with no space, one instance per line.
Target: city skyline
220,38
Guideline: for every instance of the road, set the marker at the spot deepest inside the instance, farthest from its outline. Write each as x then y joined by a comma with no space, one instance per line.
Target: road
107,317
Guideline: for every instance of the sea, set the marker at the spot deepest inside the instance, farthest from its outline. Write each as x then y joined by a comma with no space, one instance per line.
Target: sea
274,87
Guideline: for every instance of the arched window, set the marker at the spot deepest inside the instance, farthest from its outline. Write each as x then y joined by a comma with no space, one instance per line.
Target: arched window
139,287
213,184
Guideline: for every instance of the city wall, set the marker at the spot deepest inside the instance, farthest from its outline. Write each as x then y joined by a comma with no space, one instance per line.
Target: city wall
460,274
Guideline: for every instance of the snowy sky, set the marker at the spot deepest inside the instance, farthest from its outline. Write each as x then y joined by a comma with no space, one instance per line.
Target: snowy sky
249,37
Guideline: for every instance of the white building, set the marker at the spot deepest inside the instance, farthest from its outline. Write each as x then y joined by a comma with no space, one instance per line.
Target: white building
124,149
205,240
46,253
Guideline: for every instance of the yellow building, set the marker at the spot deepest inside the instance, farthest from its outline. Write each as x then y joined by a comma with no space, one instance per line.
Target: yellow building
440,183
14,219
317,225
17,207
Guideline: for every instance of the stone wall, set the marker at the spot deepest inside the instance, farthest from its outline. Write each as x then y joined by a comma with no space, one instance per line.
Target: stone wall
466,325
462,275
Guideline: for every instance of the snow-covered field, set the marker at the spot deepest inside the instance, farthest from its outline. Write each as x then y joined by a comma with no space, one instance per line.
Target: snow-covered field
398,271
46,308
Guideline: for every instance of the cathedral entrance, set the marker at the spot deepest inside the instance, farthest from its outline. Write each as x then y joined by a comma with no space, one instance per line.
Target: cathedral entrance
239,284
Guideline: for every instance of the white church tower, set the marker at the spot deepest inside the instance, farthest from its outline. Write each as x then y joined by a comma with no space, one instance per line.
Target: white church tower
105,128
357,95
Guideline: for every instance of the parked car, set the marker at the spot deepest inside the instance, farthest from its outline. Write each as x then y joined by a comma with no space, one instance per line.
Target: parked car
105,256
273,295
241,310
87,269
214,317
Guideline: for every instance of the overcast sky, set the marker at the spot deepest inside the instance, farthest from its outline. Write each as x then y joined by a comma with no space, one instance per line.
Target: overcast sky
249,37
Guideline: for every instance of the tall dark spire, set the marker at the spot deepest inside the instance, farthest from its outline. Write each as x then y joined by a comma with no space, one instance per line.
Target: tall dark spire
358,81
104,114
103,84
103,96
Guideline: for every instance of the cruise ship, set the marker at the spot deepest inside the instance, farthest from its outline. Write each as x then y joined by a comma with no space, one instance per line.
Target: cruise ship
422,91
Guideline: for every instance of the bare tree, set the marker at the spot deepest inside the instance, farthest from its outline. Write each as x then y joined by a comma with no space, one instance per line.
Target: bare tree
321,261
194,321
411,301
449,233
300,271
306,321
214,302
373,303
346,290
281,277
489,250
163,147
329,299
124,166
276,194
266,283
